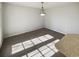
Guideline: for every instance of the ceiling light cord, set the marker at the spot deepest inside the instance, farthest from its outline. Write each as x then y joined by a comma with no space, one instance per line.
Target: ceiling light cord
42,4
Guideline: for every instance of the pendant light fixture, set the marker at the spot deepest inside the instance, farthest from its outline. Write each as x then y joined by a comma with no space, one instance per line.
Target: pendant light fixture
42,10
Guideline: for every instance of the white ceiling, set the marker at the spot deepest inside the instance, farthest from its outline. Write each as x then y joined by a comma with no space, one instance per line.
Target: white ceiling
38,4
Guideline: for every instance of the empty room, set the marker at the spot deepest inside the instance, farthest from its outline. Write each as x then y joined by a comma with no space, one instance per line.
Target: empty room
39,29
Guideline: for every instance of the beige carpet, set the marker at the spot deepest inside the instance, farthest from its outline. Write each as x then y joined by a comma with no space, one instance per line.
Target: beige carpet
69,45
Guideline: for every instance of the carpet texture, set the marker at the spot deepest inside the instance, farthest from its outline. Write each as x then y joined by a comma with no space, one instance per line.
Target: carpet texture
69,45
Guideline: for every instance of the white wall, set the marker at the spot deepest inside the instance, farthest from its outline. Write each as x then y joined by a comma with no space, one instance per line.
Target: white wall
17,19
64,19
0,24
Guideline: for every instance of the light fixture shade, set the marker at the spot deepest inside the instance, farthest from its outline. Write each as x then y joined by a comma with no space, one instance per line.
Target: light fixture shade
42,14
